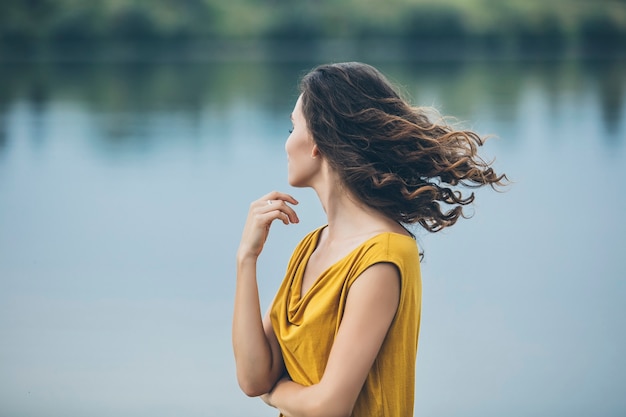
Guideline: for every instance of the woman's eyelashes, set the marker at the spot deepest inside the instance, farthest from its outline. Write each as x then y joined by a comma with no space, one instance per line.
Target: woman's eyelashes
291,130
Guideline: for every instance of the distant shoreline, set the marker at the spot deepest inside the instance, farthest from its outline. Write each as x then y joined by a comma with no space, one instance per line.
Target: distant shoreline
383,49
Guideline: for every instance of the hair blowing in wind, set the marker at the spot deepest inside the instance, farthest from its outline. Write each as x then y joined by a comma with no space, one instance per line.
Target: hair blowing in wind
389,154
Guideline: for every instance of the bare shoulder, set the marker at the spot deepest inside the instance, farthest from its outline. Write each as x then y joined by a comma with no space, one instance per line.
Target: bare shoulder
377,288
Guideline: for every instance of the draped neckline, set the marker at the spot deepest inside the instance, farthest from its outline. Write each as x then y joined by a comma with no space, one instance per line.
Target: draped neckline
296,298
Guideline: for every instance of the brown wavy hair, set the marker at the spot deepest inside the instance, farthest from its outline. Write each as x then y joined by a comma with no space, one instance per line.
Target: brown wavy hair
389,154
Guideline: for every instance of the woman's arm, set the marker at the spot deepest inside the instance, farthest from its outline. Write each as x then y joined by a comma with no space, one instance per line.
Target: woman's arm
257,354
370,308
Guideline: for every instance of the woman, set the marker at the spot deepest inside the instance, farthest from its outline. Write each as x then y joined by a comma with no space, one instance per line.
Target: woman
341,336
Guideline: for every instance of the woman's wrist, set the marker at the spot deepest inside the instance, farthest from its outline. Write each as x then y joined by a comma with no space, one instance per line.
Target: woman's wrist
245,257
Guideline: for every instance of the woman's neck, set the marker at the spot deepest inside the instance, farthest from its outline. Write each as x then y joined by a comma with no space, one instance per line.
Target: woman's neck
347,217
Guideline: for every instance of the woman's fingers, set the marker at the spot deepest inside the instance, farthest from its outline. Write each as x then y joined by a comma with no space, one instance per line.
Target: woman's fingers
276,195
272,206
280,208
266,218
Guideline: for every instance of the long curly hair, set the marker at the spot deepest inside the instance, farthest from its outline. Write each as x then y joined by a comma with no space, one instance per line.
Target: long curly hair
389,154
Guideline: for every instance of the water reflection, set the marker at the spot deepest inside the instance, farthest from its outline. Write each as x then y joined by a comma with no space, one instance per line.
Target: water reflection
130,105
611,90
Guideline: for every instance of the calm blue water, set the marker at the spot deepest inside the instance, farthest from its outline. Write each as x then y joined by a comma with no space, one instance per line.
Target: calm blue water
123,191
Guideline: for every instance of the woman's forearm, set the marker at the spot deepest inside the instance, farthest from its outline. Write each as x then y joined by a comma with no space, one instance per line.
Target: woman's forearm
257,353
253,354
295,400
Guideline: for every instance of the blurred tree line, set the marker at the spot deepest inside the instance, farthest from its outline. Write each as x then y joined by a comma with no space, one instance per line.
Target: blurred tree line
533,22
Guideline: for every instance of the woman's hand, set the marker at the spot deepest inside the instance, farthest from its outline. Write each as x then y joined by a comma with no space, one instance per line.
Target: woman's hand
257,352
270,207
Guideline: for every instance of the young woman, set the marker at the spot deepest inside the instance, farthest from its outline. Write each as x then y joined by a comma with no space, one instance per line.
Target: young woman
341,336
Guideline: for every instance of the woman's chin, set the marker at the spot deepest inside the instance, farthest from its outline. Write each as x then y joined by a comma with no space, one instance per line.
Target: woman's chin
295,183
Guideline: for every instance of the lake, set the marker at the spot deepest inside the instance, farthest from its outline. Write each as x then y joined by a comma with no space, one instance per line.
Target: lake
124,185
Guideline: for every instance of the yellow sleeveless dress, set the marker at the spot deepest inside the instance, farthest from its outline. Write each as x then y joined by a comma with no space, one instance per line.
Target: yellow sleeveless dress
306,326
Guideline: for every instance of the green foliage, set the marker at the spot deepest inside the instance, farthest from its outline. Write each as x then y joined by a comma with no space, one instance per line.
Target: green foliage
62,20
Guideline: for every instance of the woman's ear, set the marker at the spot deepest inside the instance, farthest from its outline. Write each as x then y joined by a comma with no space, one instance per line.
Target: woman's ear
315,152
